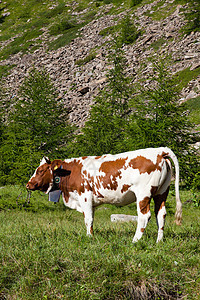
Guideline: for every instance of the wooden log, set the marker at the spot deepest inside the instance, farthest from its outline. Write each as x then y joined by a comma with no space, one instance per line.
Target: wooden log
123,218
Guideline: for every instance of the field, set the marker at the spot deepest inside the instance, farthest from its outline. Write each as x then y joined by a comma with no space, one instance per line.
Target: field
45,253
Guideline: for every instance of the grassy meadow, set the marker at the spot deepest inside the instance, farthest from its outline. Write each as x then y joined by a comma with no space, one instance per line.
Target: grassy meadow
45,253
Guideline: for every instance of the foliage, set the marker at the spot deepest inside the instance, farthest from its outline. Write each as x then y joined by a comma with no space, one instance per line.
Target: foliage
135,2
47,255
37,125
128,33
105,128
159,119
186,75
193,16
195,188
61,27
88,58
194,106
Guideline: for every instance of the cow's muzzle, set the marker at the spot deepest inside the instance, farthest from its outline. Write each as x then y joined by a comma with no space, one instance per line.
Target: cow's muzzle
31,186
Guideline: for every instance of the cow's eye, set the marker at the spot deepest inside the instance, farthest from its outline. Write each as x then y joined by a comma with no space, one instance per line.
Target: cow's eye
40,171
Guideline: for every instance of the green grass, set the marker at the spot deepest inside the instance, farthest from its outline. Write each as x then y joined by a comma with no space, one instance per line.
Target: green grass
45,254
28,19
157,44
194,106
5,70
187,75
160,12
88,58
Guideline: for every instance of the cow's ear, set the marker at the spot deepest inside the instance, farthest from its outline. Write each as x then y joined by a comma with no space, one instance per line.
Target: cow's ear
47,160
60,171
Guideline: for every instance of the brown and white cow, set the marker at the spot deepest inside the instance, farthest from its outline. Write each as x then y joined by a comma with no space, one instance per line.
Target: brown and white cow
120,179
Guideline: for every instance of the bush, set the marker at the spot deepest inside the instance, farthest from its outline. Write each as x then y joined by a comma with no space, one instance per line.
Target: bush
128,33
135,2
61,27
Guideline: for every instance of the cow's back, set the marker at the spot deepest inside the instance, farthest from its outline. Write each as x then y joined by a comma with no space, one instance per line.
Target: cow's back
115,178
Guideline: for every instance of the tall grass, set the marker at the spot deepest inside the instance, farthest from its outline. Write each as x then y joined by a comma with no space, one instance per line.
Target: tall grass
45,254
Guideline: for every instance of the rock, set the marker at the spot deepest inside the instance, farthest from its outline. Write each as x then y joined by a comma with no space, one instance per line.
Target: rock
79,85
123,218
84,90
195,66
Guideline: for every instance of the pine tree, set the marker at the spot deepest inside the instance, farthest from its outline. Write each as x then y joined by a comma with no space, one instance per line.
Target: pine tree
160,120
104,131
37,125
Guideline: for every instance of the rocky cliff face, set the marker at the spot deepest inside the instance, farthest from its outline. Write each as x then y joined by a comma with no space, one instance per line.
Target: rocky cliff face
79,85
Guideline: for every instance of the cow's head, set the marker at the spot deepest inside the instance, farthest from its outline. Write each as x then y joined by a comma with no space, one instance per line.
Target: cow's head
43,177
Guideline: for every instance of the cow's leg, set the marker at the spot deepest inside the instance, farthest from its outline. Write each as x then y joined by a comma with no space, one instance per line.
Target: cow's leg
160,212
89,217
88,211
144,215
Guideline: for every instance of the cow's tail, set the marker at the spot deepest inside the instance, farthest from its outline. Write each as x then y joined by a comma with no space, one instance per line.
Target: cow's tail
178,214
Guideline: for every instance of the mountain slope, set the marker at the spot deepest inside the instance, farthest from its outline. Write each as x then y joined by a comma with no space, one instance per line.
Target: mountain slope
79,67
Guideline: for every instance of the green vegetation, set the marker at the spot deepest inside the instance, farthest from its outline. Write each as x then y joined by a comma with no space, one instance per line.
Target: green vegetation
124,118
65,38
128,31
36,125
135,2
193,16
44,250
194,106
125,31
45,254
158,119
88,58
27,20
161,10
104,131
5,70
157,44
187,75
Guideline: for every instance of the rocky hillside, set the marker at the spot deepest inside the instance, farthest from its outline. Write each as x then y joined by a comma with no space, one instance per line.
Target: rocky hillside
160,23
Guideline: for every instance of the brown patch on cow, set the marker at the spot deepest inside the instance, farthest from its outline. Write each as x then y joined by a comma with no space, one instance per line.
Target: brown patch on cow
160,200
84,157
42,179
125,188
98,194
142,229
145,165
112,170
97,157
56,163
85,172
154,190
91,230
75,181
162,228
145,205
85,199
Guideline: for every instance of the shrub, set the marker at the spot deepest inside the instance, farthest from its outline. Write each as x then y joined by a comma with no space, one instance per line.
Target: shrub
61,27
135,2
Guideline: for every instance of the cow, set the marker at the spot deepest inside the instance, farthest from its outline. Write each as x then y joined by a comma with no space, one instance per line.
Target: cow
120,179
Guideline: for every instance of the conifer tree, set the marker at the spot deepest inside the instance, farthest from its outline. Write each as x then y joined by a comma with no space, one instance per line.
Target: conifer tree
37,125
160,120
105,128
